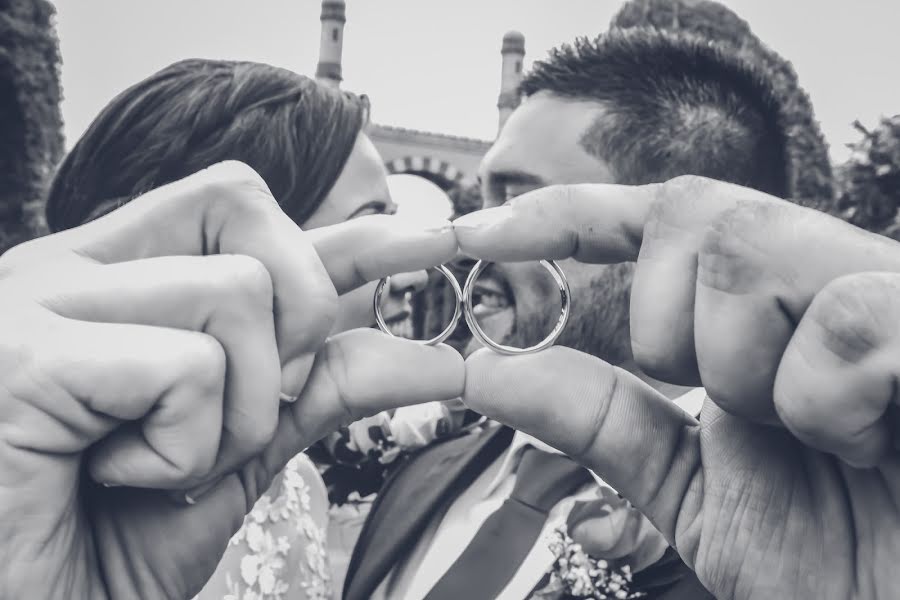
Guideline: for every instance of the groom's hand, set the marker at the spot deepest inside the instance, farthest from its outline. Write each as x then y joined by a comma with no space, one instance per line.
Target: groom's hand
771,308
149,349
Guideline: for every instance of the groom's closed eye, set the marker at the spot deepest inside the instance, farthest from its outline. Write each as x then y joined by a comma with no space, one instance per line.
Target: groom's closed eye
504,186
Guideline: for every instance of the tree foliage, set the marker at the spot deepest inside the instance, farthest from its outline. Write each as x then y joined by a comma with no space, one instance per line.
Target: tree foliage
709,19
465,198
870,179
809,168
31,139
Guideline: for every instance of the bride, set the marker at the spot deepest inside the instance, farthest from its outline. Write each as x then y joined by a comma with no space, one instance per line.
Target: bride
308,143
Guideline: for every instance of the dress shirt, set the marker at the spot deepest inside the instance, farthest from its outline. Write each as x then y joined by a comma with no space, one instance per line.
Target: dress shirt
450,532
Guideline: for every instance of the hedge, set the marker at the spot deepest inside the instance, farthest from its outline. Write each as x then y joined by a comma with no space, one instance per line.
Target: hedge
31,138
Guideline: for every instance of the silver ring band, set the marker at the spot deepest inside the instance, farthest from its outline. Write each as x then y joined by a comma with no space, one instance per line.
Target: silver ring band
457,310
548,341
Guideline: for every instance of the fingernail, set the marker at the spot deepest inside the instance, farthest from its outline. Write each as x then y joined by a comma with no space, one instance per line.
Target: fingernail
444,227
111,485
287,398
191,496
481,219
180,497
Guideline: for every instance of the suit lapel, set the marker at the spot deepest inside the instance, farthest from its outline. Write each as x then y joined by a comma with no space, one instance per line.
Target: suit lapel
409,498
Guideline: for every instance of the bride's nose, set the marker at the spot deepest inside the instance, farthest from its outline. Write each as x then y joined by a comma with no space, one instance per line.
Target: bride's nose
408,283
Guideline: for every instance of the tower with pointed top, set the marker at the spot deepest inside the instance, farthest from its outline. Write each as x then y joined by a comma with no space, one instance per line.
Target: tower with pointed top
331,45
513,53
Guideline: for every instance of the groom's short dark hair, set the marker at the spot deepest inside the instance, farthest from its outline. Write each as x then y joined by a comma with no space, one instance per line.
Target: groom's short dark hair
674,104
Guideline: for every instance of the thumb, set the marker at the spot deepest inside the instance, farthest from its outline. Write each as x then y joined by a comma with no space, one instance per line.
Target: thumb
603,417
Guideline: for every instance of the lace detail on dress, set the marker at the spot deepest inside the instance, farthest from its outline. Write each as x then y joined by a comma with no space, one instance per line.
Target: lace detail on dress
283,547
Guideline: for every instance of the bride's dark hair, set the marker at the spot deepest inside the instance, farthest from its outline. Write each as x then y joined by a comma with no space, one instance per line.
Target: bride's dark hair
295,133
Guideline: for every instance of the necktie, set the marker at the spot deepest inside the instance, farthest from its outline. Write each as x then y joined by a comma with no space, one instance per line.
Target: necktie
508,535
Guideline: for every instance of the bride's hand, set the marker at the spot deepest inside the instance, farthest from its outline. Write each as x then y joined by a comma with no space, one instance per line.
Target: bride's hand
146,352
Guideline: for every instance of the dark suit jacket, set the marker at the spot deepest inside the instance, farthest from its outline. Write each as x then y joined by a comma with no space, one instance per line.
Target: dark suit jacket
436,476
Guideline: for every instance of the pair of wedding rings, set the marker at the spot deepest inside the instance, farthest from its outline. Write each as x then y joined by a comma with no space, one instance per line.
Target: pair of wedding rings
464,307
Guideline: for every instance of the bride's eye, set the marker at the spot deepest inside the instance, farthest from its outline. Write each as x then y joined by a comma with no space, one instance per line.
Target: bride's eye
370,208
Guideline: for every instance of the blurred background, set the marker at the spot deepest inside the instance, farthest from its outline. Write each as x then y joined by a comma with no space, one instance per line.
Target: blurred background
440,77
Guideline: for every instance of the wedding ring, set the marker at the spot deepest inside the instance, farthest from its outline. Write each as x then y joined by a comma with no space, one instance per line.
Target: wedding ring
457,310
558,276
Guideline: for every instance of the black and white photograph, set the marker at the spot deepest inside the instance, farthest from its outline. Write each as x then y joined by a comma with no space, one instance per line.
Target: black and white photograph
430,300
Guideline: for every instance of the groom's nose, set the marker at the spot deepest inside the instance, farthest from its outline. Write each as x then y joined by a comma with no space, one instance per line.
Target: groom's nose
462,263
408,282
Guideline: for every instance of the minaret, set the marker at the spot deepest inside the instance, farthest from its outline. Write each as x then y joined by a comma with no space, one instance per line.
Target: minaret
332,43
513,52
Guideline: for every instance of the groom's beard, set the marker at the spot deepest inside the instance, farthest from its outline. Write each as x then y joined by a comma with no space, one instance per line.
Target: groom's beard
598,324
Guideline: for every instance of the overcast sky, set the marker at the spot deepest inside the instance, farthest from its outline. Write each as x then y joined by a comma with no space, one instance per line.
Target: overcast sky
435,65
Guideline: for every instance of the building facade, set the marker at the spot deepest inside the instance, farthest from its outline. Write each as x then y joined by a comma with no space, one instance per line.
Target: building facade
446,160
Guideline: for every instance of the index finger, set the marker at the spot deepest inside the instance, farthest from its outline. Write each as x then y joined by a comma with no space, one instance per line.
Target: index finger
369,248
595,223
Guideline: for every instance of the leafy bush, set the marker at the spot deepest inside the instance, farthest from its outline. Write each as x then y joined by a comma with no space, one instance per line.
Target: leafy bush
465,198
31,139
870,179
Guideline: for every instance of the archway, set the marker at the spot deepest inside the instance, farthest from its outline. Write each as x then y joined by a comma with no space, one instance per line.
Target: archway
441,173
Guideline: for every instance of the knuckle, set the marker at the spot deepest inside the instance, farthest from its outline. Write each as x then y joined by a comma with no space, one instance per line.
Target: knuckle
256,438
720,238
321,301
23,379
728,259
234,185
338,364
673,205
193,465
595,412
23,255
248,282
234,174
204,366
684,186
854,313
654,358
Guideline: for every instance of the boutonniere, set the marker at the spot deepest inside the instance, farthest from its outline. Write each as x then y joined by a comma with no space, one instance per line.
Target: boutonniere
576,574
599,548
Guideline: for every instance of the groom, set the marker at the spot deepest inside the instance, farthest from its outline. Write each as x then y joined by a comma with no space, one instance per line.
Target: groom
468,518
